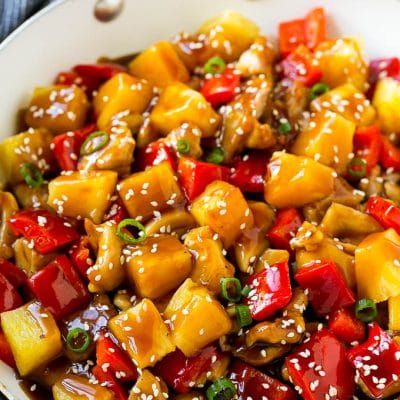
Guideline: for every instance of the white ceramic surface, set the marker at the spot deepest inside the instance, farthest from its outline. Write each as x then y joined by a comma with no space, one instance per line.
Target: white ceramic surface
66,33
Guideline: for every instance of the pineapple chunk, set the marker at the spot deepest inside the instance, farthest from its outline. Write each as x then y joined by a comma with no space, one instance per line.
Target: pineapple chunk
33,336
32,146
196,318
78,387
387,102
210,265
150,192
179,103
58,108
328,139
160,65
224,209
149,387
341,62
66,193
158,265
270,257
119,97
394,313
142,333
31,197
177,222
294,181
8,205
347,101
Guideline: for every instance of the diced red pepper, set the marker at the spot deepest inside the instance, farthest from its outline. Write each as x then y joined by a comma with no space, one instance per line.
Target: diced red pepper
367,143
248,172
48,231
291,34
315,27
221,89
254,384
13,274
344,324
6,354
195,176
327,289
287,222
178,371
270,291
66,147
9,297
390,155
320,369
382,68
117,212
59,287
155,153
300,65
80,256
101,71
377,361
108,380
385,212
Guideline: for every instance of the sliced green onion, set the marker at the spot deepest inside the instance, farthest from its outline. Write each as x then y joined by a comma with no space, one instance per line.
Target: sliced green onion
284,128
246,290
215,156
183,146
243,315
357,168
94,142
78,340
318,90
221,389
366,310
128,237
31,174
231,289
214,66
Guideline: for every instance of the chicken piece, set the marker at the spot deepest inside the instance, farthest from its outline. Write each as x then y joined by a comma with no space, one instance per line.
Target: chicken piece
176,222
8,205
149,386
189,133
29,197
147,133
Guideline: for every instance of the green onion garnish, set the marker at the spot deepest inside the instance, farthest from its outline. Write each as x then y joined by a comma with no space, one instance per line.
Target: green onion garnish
215,156
214,66
94,142
183,146
366,310
31,174
221,389
246,290
357,168
284,128
318,90
243,315
128,237
78,340
231,289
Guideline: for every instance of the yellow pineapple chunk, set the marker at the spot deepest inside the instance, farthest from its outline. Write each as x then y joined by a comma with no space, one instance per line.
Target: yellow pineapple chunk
8,206
82,194
179,103
160,65
224,209
394,313
196,318
210,265
142,333
33,336
150,192
58,108
270,257
158,265
148,386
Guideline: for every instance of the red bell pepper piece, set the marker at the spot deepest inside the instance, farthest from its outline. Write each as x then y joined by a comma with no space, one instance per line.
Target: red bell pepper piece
385,212
382,68
221,89
80,256
195,176
6,354
66,147
377,361
106,379
327,289
287,222
315,27
345,326
117,212
102,71
178,371
9,297
270,291
59,287
367,143
48,231
300,65
155,153
320,370
291,34
390,155
248,172
254,384
13,274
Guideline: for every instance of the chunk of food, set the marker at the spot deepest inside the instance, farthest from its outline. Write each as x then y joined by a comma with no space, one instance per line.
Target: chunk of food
143,334
158,265
196,318
160,65
58,108
66,193
29,330
150,386
189,133
8,205
179,103
224,209
394,313
31,197
176,222
294,181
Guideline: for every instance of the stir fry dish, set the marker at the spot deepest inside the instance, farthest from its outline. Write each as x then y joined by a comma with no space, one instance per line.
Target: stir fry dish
213,218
